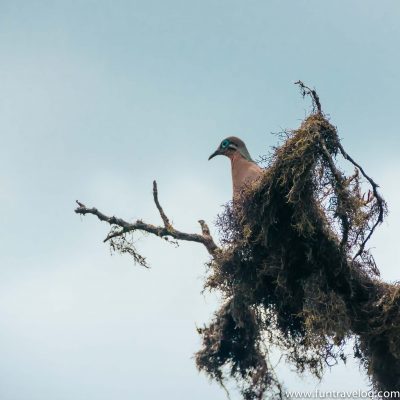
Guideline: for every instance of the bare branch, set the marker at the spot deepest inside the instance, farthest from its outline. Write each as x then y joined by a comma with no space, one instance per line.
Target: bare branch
162,231
114,234
204,228
165,219
305,90
379,199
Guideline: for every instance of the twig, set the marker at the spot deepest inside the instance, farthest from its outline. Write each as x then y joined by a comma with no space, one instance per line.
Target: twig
114,234
379,199
165,219
305,90
162,231
204,228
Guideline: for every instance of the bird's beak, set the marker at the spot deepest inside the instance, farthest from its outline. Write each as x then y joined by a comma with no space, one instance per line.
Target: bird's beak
216,153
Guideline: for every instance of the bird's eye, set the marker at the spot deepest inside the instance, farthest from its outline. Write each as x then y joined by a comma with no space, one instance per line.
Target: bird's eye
225,144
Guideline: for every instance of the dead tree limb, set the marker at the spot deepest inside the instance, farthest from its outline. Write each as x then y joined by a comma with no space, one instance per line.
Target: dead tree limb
380,201
122,227
305,90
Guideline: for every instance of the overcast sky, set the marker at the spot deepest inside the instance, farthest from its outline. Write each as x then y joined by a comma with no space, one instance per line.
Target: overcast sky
97,99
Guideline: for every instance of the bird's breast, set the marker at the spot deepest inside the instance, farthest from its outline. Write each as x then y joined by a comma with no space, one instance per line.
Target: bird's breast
243,172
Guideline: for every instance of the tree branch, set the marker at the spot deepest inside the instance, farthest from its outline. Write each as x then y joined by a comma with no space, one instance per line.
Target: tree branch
165,219
162,231
381,203
305,90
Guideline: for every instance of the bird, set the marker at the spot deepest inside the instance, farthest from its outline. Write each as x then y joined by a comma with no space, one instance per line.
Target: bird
244,170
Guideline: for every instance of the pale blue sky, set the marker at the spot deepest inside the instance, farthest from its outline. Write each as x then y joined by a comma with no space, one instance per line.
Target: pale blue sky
97,99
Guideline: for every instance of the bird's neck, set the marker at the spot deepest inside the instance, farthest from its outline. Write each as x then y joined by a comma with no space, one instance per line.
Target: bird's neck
239,166
238,161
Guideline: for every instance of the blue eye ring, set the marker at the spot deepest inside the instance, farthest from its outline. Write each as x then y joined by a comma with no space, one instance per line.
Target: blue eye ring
225,143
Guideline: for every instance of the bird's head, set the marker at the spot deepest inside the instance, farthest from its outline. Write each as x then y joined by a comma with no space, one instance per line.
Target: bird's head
230,146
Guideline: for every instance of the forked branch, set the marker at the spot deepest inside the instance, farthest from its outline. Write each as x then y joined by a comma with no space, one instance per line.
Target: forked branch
121,227
380,201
